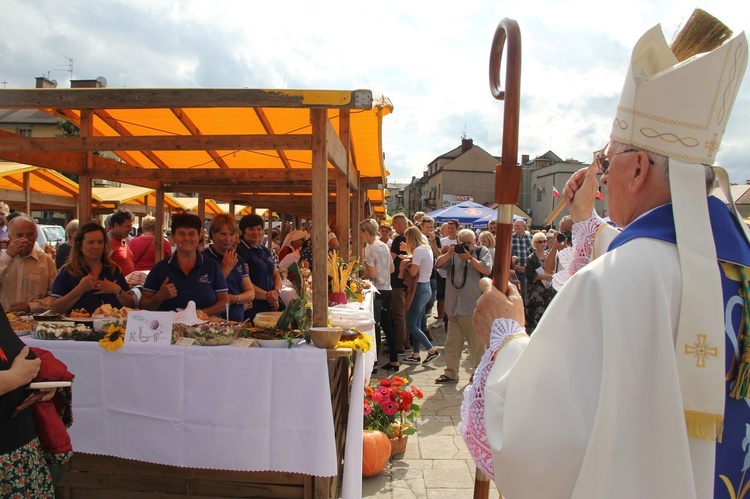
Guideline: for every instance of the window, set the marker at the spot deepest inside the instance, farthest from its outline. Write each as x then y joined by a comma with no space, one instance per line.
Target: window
24,132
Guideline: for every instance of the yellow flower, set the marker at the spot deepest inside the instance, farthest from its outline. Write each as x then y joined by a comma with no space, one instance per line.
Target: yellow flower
114,338
359,344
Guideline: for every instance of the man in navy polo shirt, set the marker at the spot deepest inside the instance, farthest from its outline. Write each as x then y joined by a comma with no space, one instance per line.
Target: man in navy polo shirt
186,275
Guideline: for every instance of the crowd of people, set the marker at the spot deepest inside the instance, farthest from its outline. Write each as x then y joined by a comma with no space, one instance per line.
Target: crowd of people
438,267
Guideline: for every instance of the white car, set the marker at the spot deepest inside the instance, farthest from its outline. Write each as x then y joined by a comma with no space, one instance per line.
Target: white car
50,234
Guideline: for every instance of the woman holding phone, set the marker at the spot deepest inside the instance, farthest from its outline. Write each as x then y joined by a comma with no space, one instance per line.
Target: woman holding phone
24,467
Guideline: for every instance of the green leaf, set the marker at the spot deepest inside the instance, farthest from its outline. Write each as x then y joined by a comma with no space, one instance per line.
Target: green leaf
294,274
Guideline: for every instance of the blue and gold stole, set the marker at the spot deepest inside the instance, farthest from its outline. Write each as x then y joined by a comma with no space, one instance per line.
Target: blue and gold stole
732,471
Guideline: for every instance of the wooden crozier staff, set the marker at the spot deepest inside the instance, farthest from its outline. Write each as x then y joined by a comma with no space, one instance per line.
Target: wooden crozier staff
508,172
701,33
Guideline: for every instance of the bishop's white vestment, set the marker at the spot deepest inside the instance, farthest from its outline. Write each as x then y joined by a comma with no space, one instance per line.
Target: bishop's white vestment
591,407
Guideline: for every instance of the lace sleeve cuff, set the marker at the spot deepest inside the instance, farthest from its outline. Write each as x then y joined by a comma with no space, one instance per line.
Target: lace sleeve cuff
584,234
472,426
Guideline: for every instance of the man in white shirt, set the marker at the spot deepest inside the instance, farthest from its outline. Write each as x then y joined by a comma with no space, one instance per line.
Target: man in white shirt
451,229
26,271
4,210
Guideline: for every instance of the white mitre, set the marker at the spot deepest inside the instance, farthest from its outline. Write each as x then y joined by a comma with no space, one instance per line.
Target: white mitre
680,110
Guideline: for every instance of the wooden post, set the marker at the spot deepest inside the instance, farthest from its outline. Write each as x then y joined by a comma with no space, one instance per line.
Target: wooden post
202,207
84,181
342,190
269,221
319,120
342,214
159,223
27,191
356,218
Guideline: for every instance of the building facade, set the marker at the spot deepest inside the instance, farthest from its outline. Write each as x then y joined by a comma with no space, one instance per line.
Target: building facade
464,173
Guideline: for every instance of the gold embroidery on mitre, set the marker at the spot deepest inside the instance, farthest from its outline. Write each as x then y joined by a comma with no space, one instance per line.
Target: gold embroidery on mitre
732,81
621,124
712,145
652,148
701,349
669,137
667,121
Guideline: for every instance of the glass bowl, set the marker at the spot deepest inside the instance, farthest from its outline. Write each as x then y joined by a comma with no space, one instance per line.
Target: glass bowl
212,333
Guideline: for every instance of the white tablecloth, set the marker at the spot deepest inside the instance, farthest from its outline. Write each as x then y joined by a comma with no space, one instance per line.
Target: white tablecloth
254,409
351,487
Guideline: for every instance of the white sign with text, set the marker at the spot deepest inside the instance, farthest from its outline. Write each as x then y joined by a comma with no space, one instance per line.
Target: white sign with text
454,199
149,327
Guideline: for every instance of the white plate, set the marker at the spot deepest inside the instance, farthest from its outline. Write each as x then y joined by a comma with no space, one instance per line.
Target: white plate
49,384
278,343
363,325
78,319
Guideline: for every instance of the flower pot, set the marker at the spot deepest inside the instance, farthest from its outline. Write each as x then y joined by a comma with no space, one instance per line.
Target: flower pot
398,445
339,298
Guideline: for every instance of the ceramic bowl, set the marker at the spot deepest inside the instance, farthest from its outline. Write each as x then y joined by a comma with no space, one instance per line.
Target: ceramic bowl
325,337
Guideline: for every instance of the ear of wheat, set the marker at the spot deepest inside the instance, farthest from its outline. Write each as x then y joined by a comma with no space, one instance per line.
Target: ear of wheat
339,272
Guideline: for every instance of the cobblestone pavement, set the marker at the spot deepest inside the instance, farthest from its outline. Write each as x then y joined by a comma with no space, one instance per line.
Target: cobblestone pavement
436,464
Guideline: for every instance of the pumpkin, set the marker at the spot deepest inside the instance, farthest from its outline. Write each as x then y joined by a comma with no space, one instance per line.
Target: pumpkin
395,430
376,451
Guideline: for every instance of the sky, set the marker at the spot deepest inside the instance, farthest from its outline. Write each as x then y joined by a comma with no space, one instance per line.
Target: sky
431,59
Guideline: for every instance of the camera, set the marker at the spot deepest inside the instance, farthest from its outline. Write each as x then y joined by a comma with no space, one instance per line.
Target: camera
564,236
461,248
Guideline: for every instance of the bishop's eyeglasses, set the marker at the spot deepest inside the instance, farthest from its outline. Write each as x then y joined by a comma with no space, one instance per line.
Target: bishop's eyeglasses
603,159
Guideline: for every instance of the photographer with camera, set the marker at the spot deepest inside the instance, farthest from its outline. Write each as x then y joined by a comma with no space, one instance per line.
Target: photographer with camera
562,240
465,264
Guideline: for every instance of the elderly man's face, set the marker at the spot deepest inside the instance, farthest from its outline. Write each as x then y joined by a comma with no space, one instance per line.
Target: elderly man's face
468,239
566,226
519,227
24,230
616,180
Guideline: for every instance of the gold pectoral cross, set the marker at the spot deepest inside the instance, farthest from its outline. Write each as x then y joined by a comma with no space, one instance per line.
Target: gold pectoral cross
700,350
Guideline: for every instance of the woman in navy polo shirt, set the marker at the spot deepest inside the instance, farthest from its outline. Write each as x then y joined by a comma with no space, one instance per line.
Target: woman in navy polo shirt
186,275
263,272
224,232
90,278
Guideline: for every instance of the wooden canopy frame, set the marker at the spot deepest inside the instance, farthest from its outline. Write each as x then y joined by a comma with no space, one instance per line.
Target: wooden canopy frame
287,150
